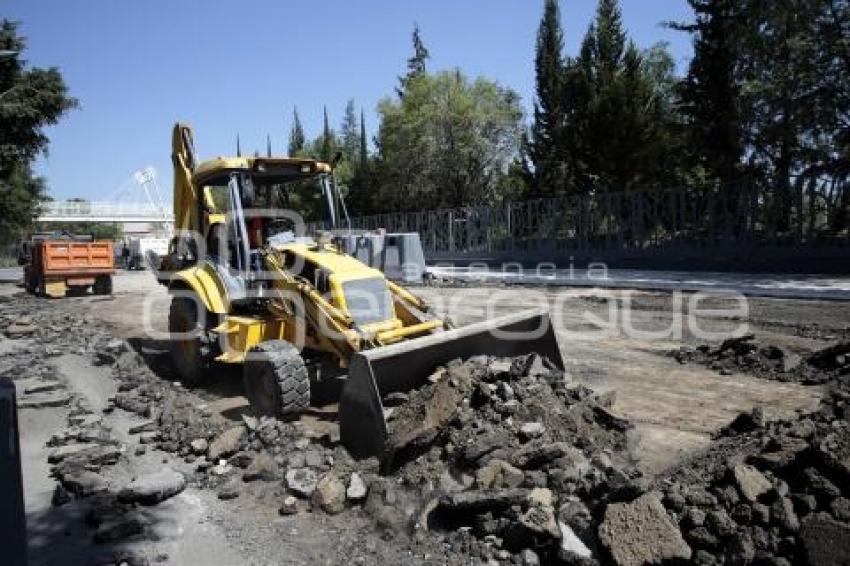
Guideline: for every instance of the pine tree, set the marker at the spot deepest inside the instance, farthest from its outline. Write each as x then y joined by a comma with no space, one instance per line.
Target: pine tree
296,136
416,63
545,144
710,93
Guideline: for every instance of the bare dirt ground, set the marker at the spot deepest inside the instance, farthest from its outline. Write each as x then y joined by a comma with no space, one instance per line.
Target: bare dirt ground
676,408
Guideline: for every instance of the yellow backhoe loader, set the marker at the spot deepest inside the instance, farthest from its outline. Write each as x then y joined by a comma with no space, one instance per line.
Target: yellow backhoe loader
248,287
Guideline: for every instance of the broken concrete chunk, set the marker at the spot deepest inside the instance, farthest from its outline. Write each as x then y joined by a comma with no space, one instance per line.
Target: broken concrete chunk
357,489
751,483
301,481
84,483
483,500
289,506
147,426
44,400
498,474
69,450
199,446
262,467
537,453
571,545
329,495
641,532
227,443
153,488
527,431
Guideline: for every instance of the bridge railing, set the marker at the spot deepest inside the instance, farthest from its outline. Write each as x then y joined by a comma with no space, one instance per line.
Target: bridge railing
84,209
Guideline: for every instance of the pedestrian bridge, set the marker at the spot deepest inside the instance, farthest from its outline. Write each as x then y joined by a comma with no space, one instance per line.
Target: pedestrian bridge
105,212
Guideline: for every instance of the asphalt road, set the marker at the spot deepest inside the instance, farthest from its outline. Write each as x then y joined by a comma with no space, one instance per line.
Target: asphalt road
814,286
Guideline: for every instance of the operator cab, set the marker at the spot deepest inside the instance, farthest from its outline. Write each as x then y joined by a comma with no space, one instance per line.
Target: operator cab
244,206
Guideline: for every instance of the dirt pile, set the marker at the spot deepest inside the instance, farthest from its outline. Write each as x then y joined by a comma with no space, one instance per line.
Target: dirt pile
745,354
771,493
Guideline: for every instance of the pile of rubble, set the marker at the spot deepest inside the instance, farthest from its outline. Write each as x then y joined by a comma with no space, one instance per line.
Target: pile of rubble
747,355
770,492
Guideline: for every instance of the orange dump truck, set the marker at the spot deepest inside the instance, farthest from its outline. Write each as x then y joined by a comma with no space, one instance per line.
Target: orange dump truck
55,267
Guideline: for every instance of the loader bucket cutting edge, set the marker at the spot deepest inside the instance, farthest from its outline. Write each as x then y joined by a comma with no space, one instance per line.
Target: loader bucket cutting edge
406,366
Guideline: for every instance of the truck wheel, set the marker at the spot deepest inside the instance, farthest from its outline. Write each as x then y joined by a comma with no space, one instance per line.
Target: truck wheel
190,356
276,379
103,285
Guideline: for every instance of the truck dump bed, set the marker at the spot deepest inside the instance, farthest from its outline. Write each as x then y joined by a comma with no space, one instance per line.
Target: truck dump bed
57,265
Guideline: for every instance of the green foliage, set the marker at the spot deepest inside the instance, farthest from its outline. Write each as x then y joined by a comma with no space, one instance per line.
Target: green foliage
30,99
767,98
21,194
448,141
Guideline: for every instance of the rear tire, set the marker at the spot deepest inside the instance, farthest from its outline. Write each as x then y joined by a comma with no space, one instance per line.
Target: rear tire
276,379
190,356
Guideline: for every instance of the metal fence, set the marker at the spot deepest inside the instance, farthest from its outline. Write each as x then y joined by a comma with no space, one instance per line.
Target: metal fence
636,222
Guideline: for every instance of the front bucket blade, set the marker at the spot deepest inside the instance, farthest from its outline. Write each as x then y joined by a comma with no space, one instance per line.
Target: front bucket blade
405,366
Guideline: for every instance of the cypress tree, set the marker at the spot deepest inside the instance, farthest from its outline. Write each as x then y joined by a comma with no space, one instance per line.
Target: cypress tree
364,151
326,149
545,144
296,136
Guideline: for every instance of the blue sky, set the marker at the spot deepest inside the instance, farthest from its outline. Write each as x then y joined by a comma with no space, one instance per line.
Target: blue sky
227,67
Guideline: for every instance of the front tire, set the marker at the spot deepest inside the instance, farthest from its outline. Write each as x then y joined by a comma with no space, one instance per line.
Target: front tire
102,285
190,356
276,379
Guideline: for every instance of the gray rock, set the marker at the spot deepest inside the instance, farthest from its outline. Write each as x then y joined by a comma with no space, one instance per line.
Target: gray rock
641,532
227,443
148,437
153,488
301,481
42,387
228,491
751,482
782,514
199,446
357,489
289,506
251,422
44,400
483,500
498,474
571,545
329,495
84,483
147,426
527,431
70,450
262,467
